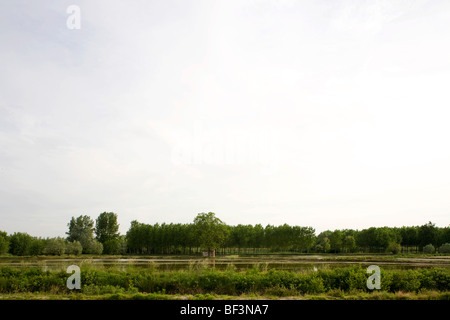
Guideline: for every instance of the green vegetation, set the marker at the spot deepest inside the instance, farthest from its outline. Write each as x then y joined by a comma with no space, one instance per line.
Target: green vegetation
429,248
208,232
445,248
82,229
4,243
107,232
207,283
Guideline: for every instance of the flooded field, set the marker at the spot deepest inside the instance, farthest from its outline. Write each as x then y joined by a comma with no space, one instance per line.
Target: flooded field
296,263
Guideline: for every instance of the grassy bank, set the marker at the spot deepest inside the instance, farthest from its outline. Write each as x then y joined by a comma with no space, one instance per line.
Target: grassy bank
337,283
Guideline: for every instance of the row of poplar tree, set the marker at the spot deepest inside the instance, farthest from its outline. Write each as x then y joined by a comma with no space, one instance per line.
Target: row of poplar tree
209,234
183,238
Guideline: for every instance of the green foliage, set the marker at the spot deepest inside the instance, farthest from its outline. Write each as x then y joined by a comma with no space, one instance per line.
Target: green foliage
394,248
111,246
428,234
311,284
349,243
323,242
74,248
4,243
409,235
55,246
93,247
206,283
210,231
278,291
107,231
205,296
81,229
20,243
336,241
37,246
445,248
429,248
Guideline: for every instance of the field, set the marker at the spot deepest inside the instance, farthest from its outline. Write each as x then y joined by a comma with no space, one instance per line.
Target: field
280,276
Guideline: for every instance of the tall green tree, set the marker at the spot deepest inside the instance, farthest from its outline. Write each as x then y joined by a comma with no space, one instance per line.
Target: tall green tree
323,241
81,229
349,243
134,243
20,244
336,238
4,242
385,237
107,232
303,238
211,232
443,235
257,240
428,234
410,236
366,239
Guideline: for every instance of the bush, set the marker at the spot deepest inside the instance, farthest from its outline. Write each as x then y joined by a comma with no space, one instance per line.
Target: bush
311,284
336,282
429,248
394,248
20,244
55,246
74,247
37,246
93,247
111,246
408,281
445,248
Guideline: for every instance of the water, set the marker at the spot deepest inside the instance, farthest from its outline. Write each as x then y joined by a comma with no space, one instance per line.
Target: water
238,263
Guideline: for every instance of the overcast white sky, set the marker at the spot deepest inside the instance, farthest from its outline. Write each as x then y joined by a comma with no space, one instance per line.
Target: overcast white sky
330,114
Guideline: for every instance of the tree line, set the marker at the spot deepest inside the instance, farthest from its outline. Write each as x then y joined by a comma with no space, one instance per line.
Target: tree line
84,236
207,233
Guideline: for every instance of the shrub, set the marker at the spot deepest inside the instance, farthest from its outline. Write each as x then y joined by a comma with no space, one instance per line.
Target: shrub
55,246
407,281
278,291
344,278
74,247
93,247
435,278
445,248
429,248
111,246
37,246
20,243
336,282
311,284
394,248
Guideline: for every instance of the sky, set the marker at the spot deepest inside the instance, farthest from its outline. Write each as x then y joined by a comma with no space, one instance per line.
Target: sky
329,114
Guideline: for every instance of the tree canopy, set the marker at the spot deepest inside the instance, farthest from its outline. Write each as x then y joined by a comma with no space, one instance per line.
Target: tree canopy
210,231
